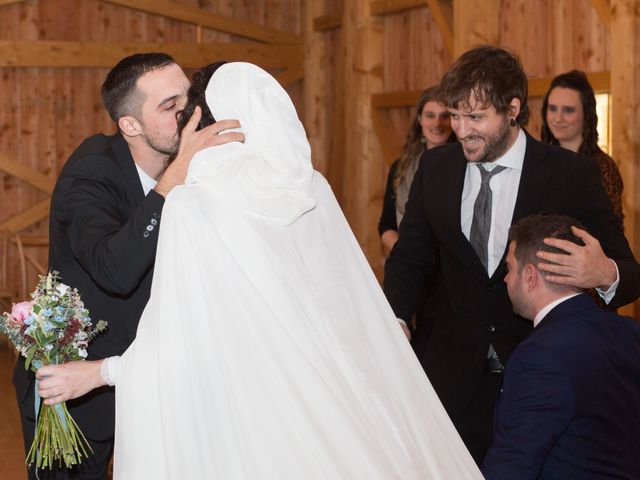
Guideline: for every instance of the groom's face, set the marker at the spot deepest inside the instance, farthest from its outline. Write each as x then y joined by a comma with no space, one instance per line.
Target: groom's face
164,91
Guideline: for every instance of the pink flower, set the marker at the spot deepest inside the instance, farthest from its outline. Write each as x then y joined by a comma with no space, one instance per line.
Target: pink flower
20,311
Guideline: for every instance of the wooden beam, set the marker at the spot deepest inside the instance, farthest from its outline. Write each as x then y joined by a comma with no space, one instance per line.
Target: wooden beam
197,16
442,16
9,2
603,8
600,81
27,174
34,240
387,135
290,75
386,7
28,217
327,22
395,99
106,55
363,165
317,89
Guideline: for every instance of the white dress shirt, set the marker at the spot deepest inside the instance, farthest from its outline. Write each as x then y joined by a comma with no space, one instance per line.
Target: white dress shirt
147,182
504,188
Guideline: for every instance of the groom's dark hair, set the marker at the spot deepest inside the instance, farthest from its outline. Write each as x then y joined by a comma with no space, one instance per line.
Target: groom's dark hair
120,94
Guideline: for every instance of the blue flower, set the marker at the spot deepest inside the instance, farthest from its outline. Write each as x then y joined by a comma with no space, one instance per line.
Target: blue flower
48,326
59,318
48,312
29,320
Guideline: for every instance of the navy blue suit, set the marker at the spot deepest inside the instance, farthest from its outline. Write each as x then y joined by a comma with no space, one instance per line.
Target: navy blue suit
569,407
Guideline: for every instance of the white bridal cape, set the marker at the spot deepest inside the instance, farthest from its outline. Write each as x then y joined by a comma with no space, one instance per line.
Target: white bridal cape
267,349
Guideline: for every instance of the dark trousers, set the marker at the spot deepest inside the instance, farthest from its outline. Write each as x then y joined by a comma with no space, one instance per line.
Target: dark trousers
92,468
475,421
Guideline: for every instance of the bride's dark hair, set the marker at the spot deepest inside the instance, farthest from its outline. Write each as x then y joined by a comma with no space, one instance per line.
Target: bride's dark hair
195,97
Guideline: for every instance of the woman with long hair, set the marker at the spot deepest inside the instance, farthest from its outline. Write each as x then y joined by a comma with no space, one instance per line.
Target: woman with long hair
430,127
569,119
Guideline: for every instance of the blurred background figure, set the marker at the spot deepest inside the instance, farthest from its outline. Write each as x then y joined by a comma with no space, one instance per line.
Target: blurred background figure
430,127
569,119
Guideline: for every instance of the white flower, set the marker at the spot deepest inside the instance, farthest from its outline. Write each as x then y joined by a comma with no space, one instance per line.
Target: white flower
62,289
82,352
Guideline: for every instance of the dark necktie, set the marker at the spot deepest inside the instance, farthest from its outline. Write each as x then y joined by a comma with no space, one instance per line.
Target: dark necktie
481,224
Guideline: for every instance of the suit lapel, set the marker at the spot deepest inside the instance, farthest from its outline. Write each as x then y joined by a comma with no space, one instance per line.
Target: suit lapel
128,166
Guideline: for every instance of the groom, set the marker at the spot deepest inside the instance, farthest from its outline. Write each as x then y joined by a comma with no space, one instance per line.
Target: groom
105,215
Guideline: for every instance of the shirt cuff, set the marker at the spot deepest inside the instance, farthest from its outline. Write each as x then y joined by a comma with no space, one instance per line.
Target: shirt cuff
109,370
608,295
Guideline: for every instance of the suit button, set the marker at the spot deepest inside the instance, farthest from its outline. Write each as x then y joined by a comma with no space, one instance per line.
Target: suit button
149,227
145,234
153,221
490,328
155,215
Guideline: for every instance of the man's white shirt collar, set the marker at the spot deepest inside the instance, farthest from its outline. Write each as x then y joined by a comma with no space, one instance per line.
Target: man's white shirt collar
543,313
147,182
514,157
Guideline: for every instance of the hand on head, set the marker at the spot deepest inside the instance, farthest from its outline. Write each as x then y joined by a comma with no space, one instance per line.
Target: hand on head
193,141
581,266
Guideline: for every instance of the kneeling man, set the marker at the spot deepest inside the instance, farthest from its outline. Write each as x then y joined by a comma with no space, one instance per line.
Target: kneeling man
570,403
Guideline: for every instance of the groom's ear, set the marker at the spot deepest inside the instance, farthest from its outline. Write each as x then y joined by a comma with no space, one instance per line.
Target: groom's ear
129,126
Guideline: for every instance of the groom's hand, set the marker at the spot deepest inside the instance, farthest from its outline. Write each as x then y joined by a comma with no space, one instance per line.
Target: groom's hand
58,383
192,142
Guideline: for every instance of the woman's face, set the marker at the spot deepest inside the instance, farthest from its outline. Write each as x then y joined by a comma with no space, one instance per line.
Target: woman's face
565,115
436,124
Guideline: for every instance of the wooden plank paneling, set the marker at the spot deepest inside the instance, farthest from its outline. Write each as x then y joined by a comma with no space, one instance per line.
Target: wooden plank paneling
95,54
242,28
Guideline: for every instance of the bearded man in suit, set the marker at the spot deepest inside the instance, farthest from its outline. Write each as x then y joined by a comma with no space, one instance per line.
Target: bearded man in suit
103,228
462,202
569,406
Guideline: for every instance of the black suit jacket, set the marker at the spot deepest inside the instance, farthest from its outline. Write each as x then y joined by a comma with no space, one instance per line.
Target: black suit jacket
570,403
477,310
103,234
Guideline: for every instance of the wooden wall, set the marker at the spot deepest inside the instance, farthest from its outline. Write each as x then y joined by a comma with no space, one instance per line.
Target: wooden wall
363,61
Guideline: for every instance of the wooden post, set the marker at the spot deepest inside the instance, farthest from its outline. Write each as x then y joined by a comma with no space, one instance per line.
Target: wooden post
315,95
363,163
474,22
625,114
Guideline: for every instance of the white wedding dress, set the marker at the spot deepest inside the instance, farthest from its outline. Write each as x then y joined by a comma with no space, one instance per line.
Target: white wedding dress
267,349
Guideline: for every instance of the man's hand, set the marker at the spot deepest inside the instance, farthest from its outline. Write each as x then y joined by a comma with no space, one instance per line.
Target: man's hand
192,142
582,266
59,383
405,329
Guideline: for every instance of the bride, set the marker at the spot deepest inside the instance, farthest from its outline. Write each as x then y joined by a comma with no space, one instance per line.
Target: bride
267,349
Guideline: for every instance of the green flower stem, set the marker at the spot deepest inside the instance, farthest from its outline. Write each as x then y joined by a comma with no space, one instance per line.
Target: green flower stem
55,443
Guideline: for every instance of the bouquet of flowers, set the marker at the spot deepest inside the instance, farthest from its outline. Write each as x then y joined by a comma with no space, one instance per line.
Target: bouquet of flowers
54,327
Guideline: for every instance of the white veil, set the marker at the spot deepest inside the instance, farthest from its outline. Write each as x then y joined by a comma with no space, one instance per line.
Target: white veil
267,349
271,171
